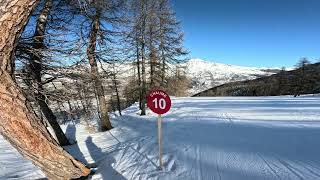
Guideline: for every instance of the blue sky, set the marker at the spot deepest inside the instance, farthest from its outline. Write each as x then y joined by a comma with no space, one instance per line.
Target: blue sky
265,33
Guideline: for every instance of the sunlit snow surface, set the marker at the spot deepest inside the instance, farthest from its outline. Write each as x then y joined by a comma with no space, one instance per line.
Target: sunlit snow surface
227,138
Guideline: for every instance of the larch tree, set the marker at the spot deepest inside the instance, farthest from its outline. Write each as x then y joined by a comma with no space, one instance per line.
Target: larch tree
170,39
115,86
139,31
103,16
152,32
103,108
301,76
143,10
281,81
137,50
132,45
136,37
35,68
18,122
155,33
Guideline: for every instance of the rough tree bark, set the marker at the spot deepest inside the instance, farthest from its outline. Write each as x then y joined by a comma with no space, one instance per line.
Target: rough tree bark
105,122
35,69
18,122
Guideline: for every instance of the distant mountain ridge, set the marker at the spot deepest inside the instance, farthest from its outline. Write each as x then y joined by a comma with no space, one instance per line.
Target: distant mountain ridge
207,74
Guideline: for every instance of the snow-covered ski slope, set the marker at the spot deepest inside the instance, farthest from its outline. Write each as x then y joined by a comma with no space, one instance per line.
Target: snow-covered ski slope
223,138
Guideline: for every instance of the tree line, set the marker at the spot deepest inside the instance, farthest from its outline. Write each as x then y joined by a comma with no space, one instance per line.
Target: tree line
66,53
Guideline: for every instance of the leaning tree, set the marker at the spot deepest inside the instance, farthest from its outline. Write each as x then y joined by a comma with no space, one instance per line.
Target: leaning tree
18,122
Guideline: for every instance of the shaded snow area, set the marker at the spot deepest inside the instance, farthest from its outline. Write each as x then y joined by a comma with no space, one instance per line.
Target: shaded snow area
225,138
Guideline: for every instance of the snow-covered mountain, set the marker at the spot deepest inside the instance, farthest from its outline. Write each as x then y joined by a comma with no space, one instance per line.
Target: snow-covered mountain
207,74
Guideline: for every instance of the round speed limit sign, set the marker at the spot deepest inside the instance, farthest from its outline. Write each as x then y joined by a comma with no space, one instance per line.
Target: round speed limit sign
159,101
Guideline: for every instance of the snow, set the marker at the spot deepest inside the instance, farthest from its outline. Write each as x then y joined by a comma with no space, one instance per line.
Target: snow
227,138
207,74
196,65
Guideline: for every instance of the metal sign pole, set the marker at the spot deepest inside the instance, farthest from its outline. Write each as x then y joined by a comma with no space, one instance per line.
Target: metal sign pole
160,140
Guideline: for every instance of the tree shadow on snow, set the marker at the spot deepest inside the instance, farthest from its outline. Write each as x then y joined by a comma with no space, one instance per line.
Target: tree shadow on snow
74,149
102,161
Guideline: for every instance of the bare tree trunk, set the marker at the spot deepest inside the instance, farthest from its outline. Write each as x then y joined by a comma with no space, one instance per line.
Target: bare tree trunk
152,57
139,74
163,70
35,68
72,112
18,122
117,93
153,61
80,89
143,61
105,122
143,91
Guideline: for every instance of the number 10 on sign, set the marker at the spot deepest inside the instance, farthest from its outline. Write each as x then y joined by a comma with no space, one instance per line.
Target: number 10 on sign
159,102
